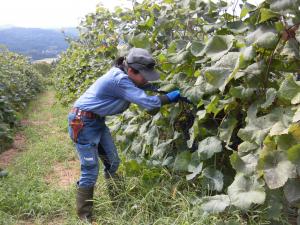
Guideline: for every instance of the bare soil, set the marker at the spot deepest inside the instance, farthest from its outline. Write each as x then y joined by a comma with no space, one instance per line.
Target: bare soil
64,174
33,122
56,221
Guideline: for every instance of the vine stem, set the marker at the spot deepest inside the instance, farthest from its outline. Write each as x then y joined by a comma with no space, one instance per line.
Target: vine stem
273,52
233,11
270,61
297,24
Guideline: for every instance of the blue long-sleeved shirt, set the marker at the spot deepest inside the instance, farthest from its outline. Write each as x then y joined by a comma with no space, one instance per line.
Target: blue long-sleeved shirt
112,93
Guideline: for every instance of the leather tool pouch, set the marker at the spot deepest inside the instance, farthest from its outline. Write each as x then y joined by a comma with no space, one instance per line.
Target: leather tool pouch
77,125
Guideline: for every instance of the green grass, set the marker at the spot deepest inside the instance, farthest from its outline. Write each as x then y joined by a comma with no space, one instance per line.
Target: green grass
148,196
25,193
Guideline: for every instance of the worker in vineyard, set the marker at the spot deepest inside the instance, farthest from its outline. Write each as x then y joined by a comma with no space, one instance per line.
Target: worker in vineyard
111,94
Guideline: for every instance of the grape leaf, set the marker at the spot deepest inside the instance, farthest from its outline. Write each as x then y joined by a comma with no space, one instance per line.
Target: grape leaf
218,45
208,147
277,169
212,179
289,90
215,204
245,191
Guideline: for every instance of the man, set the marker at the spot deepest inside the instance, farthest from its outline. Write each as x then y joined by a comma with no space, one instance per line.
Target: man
111,94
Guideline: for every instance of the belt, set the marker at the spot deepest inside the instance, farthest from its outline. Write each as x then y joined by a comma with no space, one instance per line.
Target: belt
88,114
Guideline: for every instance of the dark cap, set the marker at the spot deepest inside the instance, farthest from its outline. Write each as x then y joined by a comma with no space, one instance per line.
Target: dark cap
141,60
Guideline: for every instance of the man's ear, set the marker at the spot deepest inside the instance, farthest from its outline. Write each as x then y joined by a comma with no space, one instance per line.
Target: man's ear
130,71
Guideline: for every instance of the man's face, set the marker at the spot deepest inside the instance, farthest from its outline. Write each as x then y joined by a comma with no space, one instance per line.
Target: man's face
137,78
140,80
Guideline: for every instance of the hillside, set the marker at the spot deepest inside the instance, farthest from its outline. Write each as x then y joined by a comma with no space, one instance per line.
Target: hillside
35,42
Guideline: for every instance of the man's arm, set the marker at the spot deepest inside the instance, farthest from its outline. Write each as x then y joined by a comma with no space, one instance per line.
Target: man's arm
128,91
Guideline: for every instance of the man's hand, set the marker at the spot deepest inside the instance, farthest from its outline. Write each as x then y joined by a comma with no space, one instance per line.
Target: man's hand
173,96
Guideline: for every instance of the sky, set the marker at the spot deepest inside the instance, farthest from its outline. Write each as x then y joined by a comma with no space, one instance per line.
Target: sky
54,13
50,13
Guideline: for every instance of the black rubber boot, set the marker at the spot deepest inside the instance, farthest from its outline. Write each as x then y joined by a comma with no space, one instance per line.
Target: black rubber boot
84,203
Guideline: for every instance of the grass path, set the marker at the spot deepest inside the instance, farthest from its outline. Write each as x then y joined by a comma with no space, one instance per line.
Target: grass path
40,187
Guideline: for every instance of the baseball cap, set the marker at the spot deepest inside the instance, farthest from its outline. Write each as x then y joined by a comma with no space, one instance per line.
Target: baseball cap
140,59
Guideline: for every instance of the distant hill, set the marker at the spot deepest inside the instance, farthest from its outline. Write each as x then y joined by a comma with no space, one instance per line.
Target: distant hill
7,26
35,42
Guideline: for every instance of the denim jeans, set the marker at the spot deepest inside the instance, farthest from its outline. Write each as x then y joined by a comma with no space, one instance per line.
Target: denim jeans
94,142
